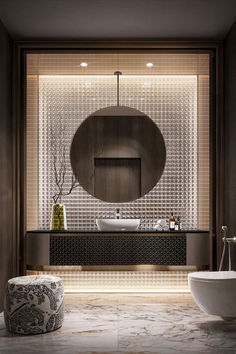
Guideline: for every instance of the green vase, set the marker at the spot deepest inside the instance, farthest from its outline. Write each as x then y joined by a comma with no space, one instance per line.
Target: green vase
58,217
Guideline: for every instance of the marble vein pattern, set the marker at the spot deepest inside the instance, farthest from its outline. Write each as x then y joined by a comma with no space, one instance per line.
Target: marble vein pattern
128,323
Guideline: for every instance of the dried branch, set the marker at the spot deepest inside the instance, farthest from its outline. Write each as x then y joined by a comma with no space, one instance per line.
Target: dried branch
59,165
73,186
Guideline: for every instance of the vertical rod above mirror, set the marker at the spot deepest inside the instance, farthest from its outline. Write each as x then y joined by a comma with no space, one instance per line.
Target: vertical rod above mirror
118,73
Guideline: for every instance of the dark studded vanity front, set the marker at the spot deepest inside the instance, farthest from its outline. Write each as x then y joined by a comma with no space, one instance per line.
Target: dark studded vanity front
103,249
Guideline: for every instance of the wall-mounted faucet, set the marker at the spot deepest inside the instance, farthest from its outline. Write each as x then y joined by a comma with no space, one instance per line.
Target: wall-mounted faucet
118,213
225,240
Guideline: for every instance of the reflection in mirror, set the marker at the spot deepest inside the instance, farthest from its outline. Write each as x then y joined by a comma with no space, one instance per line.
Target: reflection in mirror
118,154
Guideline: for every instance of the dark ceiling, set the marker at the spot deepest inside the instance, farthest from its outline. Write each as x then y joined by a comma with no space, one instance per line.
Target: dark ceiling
118,19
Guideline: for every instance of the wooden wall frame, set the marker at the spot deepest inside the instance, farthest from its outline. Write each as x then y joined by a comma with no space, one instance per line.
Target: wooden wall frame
214,48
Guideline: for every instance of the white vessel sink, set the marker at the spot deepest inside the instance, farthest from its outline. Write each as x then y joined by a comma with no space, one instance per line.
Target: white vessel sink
117,224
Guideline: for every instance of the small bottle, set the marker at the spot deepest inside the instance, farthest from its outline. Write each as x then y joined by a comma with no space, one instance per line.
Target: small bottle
177,224
172,222
180,225
117,213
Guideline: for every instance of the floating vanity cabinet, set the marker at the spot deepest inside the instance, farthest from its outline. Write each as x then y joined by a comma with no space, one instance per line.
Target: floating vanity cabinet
70,248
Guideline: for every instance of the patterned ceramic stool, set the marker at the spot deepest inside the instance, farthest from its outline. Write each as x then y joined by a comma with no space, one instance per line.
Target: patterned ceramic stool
34,304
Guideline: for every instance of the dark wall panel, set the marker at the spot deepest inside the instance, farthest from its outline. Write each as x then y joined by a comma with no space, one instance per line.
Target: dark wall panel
230,132
6,206
124,174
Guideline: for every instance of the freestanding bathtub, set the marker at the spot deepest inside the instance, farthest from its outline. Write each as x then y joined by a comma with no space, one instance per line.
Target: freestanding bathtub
215,292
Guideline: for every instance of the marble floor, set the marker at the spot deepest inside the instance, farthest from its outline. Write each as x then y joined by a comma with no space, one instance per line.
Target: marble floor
129,323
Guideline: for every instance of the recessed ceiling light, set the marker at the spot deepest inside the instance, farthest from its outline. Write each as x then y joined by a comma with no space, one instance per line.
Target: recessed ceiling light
83,64
149,65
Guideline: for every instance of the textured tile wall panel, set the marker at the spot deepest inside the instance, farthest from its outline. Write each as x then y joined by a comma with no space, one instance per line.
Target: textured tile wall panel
123,281
170,100
203,152
32,152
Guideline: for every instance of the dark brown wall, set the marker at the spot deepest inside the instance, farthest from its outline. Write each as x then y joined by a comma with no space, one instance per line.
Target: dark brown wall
230,133
6,206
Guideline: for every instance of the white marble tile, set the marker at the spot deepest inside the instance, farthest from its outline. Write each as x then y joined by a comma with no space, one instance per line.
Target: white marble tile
129,324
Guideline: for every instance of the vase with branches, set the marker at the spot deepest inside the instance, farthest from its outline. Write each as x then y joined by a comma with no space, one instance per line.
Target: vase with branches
61,175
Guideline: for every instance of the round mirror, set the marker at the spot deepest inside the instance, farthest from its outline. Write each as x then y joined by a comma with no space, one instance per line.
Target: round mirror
118,154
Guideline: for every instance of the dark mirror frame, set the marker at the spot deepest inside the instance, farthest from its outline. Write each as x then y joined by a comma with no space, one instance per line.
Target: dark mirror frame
21,49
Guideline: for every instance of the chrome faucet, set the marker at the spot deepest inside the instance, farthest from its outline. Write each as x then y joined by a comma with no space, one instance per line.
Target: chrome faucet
229,240
117,213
